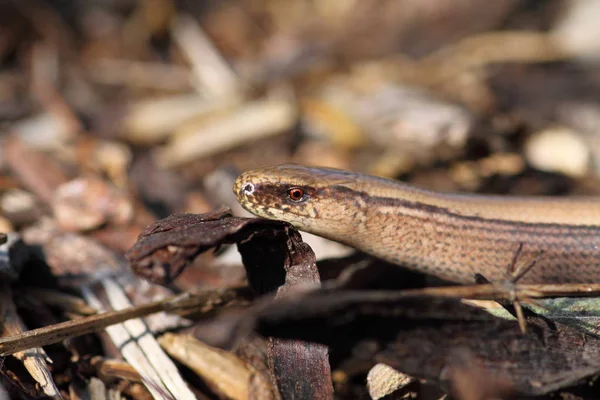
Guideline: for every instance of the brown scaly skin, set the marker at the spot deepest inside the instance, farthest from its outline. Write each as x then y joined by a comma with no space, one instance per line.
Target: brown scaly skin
452,236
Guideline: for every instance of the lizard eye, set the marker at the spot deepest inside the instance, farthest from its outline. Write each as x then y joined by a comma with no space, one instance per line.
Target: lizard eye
296,194
248,189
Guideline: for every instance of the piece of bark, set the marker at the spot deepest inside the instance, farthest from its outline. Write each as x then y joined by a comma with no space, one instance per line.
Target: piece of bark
253,351
301,369
274,257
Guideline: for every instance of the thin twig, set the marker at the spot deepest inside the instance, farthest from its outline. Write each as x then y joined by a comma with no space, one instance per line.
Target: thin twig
183,304
190,303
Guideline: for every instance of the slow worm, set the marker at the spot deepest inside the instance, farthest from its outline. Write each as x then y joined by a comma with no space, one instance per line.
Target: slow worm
453,236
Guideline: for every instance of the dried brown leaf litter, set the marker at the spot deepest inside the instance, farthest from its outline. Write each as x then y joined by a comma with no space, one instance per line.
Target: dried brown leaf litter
361,328
128,270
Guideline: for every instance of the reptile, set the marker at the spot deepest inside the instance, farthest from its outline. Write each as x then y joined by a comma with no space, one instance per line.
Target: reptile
450,235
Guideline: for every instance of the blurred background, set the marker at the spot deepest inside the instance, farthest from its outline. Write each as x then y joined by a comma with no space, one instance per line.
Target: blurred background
167,100
114,113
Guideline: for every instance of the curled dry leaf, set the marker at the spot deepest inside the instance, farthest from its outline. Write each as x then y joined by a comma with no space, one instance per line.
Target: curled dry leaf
166,247
274,257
